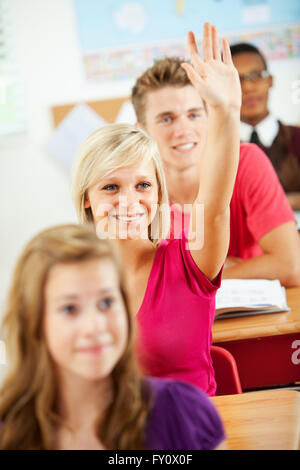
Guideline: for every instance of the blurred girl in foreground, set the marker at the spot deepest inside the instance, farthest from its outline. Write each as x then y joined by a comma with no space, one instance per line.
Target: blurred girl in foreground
74,382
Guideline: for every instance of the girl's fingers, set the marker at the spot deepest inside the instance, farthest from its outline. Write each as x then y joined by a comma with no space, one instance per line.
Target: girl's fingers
226,52
210,47
194,53
215,44
194,76
211,52
207,42
192,45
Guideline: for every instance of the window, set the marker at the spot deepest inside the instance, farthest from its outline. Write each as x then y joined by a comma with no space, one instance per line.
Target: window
12,119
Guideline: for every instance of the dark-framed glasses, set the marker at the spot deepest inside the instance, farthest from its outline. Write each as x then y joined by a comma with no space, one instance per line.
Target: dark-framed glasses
254,76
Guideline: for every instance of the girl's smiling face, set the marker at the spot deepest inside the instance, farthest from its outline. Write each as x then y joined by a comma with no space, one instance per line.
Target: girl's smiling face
124,202
85,321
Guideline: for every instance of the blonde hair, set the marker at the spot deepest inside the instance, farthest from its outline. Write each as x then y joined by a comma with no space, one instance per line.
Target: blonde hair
28,397
112,147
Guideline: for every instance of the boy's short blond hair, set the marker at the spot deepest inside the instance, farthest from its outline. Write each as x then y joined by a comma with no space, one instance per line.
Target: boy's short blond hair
164,72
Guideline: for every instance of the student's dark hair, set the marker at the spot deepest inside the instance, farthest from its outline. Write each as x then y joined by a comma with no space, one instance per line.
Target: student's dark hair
243,47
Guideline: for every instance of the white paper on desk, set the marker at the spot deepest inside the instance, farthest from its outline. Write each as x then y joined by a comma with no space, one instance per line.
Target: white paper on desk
250,293
126,114
66,139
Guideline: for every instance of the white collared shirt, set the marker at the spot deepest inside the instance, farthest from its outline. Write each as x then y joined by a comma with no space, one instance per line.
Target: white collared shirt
266,130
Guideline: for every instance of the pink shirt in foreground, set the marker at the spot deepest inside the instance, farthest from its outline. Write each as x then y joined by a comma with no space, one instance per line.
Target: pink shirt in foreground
175,319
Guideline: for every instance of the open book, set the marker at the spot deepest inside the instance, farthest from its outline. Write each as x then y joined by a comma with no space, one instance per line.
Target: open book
243,297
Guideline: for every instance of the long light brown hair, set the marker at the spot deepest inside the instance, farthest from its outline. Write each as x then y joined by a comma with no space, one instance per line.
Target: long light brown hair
28,398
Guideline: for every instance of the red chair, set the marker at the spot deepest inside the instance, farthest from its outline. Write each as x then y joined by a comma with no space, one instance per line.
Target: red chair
226,372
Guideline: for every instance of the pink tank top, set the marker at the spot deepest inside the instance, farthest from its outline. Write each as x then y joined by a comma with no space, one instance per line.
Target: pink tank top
175,319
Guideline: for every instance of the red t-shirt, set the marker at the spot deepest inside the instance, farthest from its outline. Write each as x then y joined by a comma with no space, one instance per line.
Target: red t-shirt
176,317
258,204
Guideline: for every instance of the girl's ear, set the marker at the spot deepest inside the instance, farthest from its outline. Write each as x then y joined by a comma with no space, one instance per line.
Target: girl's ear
87,203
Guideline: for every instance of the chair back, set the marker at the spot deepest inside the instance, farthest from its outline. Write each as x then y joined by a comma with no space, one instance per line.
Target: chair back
226,372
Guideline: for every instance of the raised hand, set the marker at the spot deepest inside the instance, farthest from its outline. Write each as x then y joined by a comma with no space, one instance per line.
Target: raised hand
215,77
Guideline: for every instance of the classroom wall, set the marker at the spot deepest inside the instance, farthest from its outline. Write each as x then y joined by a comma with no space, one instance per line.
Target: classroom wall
35,191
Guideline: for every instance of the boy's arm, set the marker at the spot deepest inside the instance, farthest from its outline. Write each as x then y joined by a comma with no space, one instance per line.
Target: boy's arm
280,258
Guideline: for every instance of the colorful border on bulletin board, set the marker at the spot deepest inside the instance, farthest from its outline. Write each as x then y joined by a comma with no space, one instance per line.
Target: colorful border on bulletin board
276,43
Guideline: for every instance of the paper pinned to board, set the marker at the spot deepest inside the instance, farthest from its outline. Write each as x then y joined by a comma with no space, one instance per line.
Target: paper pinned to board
66,139
126,114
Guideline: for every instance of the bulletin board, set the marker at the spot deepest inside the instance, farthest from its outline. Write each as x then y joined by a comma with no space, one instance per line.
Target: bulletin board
121,38
107,109
74,122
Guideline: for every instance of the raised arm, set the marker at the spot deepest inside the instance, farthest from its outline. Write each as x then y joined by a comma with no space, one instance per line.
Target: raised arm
217,81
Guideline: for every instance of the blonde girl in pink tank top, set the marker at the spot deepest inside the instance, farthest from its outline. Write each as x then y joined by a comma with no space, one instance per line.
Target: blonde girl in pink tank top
119,187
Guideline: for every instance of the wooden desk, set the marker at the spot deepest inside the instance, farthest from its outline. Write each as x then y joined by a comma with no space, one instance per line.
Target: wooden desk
267,420
265,347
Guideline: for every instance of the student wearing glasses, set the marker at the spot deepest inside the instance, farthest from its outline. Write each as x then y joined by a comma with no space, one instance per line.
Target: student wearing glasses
279,141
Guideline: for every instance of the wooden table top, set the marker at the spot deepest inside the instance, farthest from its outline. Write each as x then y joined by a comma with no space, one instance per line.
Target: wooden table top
257,326
268,420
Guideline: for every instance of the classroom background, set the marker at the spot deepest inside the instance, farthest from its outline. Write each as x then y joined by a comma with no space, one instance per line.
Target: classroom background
51,59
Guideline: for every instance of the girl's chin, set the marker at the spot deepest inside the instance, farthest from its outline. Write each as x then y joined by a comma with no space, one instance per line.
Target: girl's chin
131,235
122,235
122,232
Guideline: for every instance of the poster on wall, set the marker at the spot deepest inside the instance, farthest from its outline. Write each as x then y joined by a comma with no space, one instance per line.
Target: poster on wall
121,38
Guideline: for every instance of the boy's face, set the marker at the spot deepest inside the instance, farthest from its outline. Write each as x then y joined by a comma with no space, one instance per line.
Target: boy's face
255,90
176,118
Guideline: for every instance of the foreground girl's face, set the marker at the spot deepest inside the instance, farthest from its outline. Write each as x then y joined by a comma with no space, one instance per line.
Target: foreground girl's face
124,202
85,323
